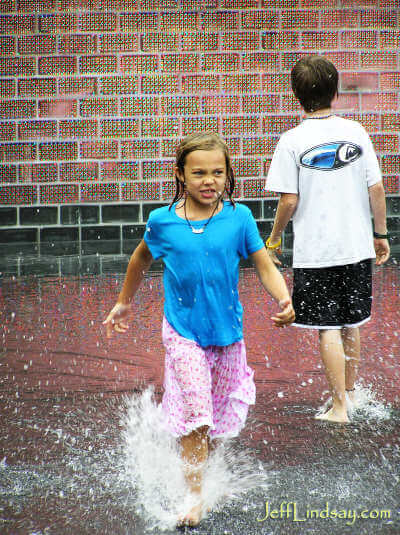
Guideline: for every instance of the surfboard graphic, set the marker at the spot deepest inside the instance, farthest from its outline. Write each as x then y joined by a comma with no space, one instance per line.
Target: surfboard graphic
330,156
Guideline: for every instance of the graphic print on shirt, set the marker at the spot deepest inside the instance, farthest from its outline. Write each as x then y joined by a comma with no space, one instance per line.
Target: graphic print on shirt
330,156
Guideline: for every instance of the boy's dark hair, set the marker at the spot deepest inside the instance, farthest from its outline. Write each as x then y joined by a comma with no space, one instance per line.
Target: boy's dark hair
314,82
202,141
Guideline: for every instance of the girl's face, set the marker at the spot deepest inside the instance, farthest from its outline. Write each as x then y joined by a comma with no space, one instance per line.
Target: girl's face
204,176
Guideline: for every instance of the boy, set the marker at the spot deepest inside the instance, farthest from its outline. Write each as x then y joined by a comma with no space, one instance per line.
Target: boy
328,176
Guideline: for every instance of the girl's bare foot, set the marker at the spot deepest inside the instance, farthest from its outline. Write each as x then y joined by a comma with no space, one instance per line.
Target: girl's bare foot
193,517
334,415
194,456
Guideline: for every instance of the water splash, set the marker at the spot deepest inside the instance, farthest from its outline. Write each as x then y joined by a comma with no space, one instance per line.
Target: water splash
153,467
367,404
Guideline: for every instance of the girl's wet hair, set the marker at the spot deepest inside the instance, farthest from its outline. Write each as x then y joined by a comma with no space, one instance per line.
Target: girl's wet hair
314,82
202,141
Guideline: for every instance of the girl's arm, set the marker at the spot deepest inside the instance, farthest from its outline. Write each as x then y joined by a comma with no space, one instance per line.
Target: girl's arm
275,285
138,266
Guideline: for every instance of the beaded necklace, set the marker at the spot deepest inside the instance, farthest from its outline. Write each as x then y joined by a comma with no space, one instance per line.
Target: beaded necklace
201,229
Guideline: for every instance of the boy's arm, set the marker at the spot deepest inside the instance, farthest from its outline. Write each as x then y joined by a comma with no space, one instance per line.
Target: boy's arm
286,207
138,266
275,285
378,207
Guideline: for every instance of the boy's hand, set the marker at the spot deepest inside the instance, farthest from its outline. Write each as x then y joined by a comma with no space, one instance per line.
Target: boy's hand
115,319
287,316
382,250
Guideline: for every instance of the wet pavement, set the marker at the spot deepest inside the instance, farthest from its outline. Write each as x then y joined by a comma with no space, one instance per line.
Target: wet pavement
64,390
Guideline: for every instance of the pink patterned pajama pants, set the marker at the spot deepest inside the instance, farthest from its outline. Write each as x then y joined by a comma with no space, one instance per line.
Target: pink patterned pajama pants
210,386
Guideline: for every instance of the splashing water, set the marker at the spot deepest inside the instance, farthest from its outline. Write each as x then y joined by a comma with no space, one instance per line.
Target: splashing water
153,467
367,405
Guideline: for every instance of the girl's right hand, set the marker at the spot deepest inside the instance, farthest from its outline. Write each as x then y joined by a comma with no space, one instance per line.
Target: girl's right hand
115,319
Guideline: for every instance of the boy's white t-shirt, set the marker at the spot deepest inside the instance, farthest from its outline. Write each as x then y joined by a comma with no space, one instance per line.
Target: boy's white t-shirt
330,163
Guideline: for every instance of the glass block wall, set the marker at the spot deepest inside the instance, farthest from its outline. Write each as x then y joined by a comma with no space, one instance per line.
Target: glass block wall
95,95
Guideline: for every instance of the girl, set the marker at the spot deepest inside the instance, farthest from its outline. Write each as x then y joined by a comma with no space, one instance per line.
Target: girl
208,386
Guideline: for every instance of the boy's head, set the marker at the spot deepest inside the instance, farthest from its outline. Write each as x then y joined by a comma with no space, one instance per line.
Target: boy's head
314,82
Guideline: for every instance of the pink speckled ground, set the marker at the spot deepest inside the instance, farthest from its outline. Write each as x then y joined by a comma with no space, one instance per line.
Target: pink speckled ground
54,346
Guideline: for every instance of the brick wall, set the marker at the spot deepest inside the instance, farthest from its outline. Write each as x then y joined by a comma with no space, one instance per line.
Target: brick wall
96,93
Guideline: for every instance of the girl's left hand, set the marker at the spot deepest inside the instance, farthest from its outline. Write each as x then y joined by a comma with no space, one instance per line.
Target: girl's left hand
273,255
287,316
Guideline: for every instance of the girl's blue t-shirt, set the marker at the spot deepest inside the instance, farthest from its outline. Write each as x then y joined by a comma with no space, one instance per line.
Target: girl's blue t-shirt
201,271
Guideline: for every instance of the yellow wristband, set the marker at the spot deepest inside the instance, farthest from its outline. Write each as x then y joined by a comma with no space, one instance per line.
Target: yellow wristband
276,246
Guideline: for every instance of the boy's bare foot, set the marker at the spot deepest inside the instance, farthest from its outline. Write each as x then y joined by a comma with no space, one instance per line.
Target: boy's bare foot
333,416
351,402
193,517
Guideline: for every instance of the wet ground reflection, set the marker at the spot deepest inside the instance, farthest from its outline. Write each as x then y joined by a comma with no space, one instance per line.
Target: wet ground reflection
63,391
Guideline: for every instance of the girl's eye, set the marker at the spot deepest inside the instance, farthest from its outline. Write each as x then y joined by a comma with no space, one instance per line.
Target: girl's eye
200,173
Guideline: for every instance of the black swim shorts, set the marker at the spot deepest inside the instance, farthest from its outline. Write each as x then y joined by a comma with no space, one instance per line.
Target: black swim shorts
333,297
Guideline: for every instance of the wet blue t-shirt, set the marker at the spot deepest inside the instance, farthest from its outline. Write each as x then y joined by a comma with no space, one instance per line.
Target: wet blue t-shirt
201,271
